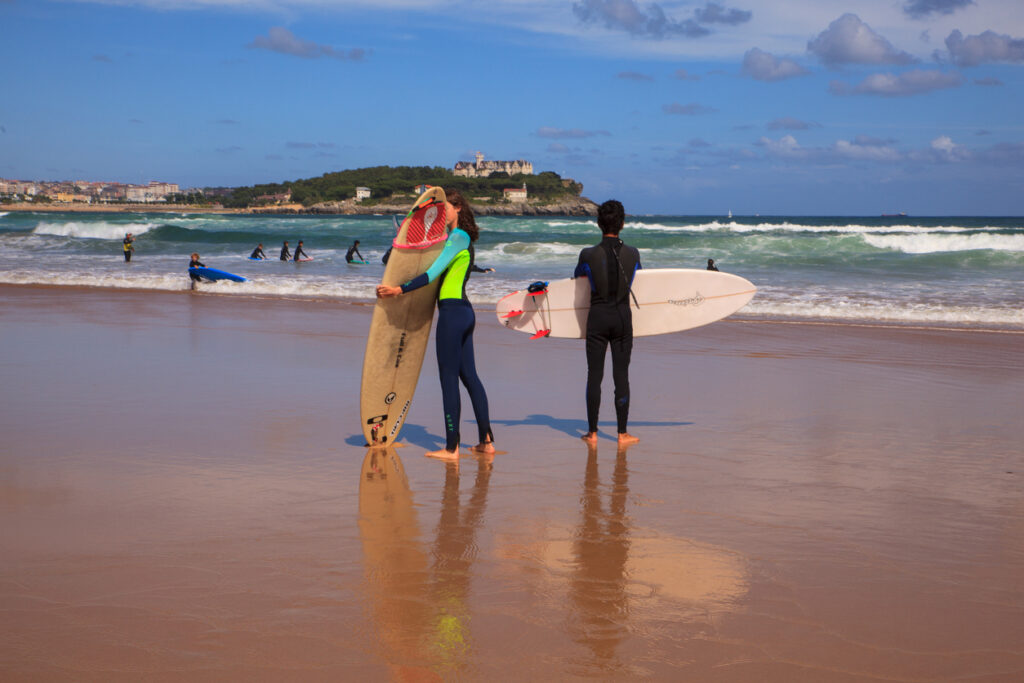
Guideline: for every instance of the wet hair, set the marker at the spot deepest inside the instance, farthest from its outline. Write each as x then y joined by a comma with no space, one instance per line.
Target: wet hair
611,217
466,219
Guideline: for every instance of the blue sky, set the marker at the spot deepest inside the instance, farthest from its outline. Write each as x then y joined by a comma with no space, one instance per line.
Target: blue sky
753,106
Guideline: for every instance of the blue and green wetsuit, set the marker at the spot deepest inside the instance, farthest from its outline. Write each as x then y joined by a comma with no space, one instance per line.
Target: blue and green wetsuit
454,337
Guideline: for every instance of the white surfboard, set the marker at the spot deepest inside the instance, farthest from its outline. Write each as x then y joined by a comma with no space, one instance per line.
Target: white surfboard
670,300
400,328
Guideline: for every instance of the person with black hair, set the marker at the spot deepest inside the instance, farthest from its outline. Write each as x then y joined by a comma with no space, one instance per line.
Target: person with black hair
286,253
711,265
610,266
354,249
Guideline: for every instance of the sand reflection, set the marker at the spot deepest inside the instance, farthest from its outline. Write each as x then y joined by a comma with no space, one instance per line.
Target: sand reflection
621,579
418,591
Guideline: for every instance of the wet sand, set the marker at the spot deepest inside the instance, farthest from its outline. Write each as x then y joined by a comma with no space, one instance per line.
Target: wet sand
184,495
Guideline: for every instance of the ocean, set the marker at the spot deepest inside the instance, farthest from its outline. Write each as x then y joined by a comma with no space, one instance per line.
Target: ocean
958,272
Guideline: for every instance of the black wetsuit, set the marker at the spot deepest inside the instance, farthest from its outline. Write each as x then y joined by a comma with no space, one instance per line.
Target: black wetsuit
299,252
354,250
195,264
386,256
610,266
258,253
285,253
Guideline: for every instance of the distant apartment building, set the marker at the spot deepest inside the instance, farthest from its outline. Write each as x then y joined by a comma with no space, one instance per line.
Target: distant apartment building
362,193
483,169
154,192
18,187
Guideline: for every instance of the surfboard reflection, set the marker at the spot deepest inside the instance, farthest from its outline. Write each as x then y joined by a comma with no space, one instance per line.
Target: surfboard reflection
418,592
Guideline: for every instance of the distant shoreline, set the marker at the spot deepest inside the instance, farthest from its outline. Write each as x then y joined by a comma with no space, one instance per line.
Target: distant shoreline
576,206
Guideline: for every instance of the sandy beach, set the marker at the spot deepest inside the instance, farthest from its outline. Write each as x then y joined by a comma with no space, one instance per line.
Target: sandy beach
185,495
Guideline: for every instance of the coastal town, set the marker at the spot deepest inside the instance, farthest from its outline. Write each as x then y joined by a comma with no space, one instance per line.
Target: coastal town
108,192
495,186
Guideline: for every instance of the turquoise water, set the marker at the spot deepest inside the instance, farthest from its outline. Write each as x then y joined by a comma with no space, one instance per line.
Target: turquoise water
956,271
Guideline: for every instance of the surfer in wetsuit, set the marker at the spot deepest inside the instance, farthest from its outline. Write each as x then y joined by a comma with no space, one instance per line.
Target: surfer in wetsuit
299,252
455,324
257,253
128,247
386,256
285,251
354,249
711,265
195,263
610,266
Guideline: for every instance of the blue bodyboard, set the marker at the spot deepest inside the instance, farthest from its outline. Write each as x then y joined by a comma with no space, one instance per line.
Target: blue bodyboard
213,274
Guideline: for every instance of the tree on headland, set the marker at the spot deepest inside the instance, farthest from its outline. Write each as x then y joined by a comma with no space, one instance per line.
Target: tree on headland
388,182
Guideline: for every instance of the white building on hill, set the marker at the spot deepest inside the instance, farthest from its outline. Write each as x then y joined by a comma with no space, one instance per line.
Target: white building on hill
482,169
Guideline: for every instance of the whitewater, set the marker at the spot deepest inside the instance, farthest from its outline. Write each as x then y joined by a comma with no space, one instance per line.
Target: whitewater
960,272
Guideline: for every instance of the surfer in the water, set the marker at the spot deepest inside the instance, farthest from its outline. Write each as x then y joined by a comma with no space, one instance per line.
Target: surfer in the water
285,251
299,253
455,323
258,253
610,266
711,265
128,247
354,249
195,263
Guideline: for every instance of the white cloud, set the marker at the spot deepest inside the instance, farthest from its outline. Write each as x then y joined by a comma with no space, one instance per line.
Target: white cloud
763,66
983,48
920,9
848,40
914,82
280,39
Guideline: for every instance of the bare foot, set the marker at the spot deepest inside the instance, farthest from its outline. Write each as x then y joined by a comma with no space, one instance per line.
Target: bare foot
443,454
590,437
626,438
483,447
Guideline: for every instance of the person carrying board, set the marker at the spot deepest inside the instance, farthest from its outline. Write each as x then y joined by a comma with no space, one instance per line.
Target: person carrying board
610,266
286,253
455,323
258,254
300,254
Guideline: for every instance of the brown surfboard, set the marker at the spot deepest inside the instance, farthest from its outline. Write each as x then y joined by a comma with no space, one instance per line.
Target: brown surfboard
400,328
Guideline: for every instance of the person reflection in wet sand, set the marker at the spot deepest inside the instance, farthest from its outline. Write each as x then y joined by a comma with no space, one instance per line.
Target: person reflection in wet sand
420,612
597,590
454,551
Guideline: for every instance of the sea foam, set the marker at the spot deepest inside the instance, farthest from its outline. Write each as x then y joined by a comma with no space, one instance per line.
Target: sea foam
932,243
100,230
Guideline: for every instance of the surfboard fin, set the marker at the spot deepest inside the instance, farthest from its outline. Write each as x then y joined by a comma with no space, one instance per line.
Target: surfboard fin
540,333
512,314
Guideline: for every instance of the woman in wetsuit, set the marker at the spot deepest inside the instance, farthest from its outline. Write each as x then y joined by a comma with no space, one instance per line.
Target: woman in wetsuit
455,324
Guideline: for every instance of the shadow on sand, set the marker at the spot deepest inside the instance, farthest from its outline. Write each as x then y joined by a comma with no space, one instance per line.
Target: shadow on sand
577,427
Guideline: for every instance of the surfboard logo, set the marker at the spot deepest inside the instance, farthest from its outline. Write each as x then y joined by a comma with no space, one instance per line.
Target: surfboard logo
430,216
389,399
401,350
695,300
400,418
